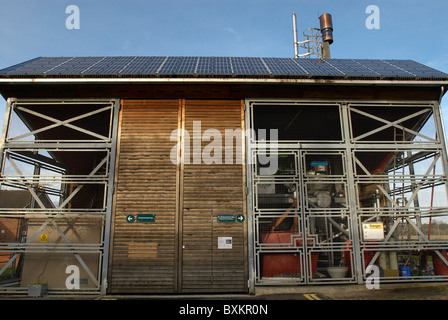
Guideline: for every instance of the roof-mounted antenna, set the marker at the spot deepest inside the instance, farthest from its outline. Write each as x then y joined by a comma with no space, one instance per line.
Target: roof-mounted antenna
316,41
294,30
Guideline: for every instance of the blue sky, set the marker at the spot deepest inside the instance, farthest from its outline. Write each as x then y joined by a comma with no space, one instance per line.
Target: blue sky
409,29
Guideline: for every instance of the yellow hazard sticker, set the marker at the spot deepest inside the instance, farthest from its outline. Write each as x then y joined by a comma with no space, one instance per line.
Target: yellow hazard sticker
44,237
373,226
373,231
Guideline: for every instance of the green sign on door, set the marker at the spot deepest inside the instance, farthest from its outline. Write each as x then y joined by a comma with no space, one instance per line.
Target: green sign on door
226,218
146,218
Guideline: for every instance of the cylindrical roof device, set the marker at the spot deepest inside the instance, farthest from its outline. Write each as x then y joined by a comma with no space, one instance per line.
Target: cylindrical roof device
326,28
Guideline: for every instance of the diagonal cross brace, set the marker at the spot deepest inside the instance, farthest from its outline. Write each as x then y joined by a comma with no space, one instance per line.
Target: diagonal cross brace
78,257
24,181
80,186
75,253
425,177
378,185
392,124
414,194
58,123
14,257
413,225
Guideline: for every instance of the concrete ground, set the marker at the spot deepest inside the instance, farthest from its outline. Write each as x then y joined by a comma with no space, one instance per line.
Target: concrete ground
399,291
403,291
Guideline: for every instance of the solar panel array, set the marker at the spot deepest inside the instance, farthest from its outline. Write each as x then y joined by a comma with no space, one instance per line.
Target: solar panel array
218,66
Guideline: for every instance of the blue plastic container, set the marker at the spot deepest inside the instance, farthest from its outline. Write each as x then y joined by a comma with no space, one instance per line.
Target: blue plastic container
405,272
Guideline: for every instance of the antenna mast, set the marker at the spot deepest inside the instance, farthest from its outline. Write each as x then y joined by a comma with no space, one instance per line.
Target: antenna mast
294,29
316,41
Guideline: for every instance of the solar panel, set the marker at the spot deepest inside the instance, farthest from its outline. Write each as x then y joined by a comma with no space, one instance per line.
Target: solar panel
11,69
73,66
244,66
283,66
318,67
143,65
385,69
350,67
416,68
108,66
222,66
179,65
214,65
38,66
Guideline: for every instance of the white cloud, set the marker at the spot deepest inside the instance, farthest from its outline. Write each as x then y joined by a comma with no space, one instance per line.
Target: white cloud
233,32
230,30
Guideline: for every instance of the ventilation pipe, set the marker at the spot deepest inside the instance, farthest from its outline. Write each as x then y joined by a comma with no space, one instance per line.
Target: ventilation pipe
326,29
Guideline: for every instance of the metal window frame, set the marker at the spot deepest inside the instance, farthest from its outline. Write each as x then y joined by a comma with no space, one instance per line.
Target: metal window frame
55,217
349,146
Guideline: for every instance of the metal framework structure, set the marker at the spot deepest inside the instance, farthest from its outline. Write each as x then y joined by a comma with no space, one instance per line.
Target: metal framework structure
59,154
370,189
311,45
366,194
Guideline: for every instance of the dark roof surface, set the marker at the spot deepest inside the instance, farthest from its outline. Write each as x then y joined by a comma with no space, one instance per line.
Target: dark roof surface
222,67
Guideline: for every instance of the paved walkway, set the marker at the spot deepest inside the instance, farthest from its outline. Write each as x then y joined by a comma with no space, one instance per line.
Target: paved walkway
400,291
403,291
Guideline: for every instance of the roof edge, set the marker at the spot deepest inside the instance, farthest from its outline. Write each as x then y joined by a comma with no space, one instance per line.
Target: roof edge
232,80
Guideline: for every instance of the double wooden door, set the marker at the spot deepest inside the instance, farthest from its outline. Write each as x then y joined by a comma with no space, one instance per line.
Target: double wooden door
179,216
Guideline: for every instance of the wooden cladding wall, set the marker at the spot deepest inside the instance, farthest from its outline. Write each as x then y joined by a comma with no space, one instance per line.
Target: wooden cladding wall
209,190
178,251
144,257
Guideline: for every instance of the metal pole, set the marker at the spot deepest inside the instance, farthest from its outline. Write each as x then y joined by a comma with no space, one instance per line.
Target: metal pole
357,261
6,125
440,130
110,194
294,28
249,196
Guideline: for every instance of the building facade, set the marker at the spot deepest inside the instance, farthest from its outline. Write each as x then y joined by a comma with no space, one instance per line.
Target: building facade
211,174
